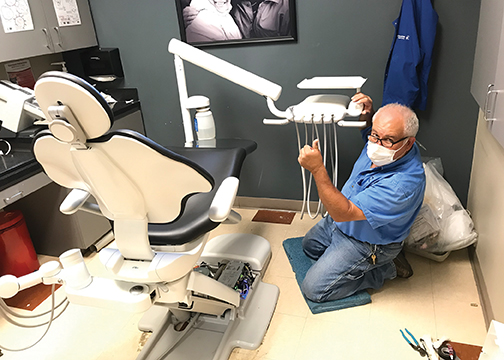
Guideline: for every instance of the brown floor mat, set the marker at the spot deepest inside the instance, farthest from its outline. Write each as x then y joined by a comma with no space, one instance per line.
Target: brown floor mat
275,217
30,298
466,351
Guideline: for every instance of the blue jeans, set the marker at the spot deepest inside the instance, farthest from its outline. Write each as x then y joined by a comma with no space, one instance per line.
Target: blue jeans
343,265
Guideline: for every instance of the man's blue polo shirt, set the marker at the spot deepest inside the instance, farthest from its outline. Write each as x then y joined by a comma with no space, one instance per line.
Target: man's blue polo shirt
390,197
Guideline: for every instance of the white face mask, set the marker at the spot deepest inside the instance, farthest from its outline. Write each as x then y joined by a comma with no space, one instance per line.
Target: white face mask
380,155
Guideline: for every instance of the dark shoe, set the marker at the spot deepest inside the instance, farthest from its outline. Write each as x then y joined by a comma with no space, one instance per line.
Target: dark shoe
402,265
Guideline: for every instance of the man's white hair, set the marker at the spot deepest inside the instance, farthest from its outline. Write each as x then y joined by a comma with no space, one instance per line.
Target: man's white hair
409,116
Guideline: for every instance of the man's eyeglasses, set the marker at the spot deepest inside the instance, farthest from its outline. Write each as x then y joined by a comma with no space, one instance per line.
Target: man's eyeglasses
388,143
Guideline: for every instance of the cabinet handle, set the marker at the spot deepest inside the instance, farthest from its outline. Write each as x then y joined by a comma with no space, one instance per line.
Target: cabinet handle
489,109
48,38
60,41
13,198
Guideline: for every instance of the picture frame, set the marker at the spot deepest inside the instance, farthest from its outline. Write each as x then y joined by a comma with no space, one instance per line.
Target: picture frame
231,22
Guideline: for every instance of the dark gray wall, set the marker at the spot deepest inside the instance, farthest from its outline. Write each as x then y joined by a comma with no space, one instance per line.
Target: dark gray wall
334,38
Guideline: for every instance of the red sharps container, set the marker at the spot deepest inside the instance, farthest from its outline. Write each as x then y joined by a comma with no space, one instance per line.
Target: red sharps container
17,255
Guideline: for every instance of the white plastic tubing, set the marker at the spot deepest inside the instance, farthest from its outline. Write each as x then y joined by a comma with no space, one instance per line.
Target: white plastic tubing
328,144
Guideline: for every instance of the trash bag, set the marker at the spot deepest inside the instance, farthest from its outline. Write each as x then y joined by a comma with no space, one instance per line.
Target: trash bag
442,224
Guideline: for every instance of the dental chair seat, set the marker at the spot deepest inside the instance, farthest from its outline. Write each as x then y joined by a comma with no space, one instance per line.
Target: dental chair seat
194,220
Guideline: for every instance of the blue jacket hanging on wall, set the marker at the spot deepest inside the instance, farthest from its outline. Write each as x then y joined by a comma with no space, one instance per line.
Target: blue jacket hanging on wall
410,56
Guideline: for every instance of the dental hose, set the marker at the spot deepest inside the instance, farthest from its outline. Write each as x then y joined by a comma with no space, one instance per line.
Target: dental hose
315,135
334,162
53,308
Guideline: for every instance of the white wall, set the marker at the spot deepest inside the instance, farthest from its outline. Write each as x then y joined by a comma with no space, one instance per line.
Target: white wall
486,203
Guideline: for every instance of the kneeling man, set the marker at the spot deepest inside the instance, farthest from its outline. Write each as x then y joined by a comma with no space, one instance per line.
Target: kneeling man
358,245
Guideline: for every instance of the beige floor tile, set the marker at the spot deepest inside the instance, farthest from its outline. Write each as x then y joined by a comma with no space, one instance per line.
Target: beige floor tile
280,266
282,338
274,233
404,303
242,354
459,321
381,343
300,227
80,333
453,278
328,340
291,300
124,346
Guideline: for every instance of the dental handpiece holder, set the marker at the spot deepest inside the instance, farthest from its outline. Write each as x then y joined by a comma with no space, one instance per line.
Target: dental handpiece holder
324,108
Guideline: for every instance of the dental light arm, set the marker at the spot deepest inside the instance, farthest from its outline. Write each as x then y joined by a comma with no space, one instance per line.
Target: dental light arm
225,70
239,76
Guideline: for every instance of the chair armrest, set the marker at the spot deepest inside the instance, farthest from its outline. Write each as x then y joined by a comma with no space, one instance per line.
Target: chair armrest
74,201
224,199
77,200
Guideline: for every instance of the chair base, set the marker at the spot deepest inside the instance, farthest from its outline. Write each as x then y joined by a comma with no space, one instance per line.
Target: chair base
214,337
211,338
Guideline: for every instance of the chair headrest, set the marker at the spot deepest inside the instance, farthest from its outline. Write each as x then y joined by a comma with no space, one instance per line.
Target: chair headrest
92,112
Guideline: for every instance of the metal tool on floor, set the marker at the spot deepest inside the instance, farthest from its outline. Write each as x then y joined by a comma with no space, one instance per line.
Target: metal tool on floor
445,350
415,345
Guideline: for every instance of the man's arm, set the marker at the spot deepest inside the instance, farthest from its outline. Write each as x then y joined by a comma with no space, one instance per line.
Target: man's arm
337,205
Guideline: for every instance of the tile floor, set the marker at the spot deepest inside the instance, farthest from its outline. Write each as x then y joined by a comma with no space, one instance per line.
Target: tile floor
441,299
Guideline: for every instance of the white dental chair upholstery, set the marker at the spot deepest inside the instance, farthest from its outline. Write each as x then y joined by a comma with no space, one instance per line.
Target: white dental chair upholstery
163,204
149,167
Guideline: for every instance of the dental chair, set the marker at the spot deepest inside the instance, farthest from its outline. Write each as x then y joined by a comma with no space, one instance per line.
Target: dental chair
162,204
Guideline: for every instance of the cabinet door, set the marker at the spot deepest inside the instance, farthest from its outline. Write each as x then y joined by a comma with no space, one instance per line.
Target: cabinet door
489,66
487,48
73,36
22,44
495,102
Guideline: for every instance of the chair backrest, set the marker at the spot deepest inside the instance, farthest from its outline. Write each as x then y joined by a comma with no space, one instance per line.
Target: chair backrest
134,180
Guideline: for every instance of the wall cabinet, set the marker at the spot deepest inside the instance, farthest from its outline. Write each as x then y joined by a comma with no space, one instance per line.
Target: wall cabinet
47,36
487,85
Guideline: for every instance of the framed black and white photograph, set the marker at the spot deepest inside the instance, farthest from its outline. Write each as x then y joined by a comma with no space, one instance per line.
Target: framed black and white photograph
226,22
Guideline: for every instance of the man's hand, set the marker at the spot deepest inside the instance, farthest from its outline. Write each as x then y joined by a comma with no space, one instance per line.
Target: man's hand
338,206
366,101
189,13
310,157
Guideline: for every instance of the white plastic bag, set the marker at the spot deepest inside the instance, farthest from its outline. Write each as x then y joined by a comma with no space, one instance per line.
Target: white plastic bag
442,224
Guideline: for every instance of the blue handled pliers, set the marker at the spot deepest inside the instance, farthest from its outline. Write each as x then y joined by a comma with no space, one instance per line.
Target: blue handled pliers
415,346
